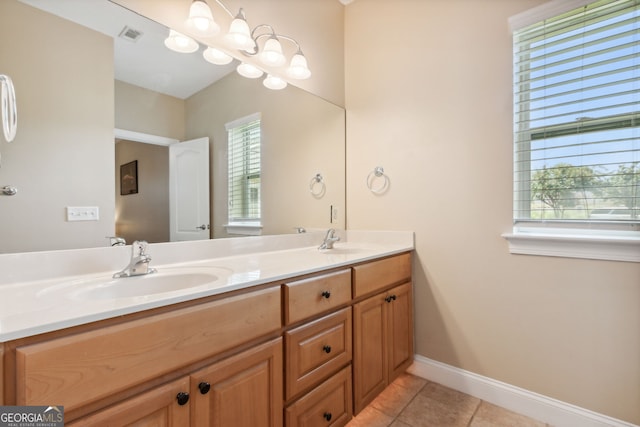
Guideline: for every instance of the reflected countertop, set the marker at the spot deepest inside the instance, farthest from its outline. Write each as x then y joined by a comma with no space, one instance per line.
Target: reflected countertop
68,288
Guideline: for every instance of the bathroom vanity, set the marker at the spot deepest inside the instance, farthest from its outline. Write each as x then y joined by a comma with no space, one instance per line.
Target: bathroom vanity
292,336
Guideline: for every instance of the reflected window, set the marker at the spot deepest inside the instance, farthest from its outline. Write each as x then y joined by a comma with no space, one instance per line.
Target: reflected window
244,171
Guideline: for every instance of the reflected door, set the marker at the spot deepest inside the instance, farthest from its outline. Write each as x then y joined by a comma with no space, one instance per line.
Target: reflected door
189,190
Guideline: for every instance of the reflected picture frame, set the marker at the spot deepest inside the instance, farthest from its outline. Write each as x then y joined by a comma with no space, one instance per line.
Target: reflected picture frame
129,178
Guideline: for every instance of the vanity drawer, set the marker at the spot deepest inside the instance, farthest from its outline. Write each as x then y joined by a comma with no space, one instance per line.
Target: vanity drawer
329,404
82,368
317,349
309,297
376,275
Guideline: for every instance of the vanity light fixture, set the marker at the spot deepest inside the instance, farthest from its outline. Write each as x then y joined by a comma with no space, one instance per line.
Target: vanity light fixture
239,35
249,71
216,56
274,82
200,19
178,42
262,42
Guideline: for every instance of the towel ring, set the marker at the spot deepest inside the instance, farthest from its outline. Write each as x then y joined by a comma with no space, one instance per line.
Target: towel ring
8,107
317,186
378,172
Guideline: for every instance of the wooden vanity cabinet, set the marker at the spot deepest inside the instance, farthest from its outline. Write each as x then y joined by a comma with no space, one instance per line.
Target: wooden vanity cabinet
242,391
309,352
156,407
382,328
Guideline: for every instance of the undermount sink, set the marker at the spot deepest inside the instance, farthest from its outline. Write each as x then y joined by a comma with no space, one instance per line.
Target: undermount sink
162,281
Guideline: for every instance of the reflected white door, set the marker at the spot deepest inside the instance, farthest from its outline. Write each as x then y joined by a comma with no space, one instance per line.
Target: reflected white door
189,190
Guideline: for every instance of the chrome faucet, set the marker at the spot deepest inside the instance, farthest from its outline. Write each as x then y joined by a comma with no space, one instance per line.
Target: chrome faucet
329,239
139,264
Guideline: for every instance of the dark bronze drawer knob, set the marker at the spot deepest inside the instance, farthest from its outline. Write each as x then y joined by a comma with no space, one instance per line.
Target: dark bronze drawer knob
327,416
204,387
327,349
182,398
326,294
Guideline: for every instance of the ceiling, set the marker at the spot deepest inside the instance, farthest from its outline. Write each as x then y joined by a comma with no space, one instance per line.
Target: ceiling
159,69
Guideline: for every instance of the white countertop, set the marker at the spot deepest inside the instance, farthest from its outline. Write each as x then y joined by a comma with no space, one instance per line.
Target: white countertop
43,291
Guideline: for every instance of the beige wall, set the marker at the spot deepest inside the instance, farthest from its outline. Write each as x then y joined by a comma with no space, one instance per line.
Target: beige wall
429,99
302,135
142,110
63,151
316,24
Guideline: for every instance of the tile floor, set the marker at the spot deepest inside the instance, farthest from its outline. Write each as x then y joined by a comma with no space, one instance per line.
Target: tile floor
411,401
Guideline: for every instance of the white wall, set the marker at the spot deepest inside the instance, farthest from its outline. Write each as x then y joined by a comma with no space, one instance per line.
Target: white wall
428,97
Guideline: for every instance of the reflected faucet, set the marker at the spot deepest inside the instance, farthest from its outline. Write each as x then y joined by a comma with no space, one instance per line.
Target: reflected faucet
139,264
329,239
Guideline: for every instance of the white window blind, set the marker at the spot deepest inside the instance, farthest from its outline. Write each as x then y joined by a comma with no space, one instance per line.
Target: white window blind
577,118
244,170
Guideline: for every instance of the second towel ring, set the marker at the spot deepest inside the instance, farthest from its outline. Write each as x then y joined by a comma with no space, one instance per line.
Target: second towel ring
378,172
317,186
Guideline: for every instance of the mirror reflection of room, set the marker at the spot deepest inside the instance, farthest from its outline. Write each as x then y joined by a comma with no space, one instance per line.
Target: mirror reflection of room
91,92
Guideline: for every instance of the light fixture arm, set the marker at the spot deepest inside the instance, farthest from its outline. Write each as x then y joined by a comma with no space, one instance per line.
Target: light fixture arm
271,33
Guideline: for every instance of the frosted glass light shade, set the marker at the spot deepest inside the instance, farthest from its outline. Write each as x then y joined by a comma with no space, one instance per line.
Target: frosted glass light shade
298,68
272,53
239,35
178,42
200,19
274,82
216,56
249,71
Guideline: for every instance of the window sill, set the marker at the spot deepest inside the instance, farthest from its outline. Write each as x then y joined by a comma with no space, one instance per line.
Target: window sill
620,246
244,229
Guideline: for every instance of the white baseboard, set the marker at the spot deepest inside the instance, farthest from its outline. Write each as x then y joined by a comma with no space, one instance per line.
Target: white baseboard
525,402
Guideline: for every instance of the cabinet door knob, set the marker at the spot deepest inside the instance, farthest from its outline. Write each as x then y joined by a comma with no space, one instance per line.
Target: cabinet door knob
326,294
327,349
204,387
182,398
390,298
327,416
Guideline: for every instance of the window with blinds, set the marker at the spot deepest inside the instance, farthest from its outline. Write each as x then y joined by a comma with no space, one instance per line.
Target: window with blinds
244,170
577,118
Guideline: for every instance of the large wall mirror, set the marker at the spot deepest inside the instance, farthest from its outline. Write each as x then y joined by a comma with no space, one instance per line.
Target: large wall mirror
84,109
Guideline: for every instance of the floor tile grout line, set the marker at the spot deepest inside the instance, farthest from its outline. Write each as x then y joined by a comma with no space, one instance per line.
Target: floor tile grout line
474,413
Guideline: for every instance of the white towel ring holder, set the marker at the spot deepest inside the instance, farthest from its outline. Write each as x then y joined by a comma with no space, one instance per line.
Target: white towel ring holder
317,187
9,108
378,172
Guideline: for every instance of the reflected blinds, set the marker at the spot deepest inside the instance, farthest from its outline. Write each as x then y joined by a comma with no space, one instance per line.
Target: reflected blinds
244,170
577,116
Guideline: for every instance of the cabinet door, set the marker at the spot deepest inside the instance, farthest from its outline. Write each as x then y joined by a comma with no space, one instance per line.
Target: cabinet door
244,390
399,310
369,350
157,407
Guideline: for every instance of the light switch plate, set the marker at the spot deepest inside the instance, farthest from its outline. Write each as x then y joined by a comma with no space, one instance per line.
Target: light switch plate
83,213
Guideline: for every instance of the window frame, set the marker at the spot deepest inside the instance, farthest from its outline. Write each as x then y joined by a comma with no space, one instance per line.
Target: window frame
591,239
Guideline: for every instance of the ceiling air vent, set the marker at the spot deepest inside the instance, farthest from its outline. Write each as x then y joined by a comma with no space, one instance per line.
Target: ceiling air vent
130,34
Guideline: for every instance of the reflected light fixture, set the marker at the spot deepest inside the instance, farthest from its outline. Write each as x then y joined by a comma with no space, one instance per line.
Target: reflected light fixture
200,19
249,71
274,82
178,42
216,56
261,42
